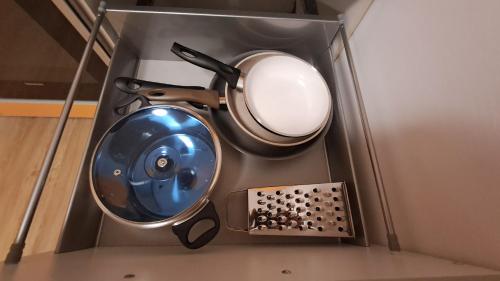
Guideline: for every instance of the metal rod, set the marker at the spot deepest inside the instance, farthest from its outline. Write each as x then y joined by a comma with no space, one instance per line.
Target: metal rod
392,238
16,249
343,124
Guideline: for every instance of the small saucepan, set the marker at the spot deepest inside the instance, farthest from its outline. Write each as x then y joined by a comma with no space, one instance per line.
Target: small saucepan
157,167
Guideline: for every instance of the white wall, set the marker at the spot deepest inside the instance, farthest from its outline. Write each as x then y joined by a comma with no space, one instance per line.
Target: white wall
430,76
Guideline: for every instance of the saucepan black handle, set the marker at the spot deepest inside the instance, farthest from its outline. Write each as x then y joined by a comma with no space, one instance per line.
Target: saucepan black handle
182,230
134,86
227,72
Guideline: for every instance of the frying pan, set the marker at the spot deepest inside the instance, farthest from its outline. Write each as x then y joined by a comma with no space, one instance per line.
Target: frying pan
284,94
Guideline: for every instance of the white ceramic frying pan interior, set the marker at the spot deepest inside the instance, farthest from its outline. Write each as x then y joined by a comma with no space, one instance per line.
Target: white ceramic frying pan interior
285,94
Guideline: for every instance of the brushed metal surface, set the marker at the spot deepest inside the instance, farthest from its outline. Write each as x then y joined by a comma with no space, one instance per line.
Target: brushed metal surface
153,30
82,222
338,149
243,263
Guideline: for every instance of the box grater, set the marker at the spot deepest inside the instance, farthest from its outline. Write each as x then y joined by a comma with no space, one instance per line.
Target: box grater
300,210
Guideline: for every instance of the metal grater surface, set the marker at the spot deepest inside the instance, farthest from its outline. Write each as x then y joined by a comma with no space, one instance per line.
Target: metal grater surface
300,210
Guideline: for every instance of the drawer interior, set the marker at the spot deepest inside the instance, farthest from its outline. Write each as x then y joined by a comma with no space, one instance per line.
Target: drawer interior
143,52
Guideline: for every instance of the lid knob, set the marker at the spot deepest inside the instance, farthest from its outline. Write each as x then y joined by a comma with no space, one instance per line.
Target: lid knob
163,163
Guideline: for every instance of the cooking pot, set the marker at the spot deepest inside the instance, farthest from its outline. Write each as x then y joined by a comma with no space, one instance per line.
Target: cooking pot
156,167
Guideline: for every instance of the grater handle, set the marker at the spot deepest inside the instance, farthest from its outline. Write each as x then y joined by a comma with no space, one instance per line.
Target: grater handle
228,225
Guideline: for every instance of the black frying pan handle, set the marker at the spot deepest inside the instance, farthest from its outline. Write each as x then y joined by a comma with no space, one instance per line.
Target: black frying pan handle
134,86
227,72
182,230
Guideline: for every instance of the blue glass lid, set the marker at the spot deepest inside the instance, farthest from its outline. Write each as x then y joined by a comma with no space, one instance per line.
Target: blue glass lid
154,164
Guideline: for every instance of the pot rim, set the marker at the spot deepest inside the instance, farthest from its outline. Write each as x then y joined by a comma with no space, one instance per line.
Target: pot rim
187,213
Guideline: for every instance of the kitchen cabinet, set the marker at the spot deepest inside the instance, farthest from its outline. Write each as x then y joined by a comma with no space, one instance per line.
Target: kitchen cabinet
41,54
92,246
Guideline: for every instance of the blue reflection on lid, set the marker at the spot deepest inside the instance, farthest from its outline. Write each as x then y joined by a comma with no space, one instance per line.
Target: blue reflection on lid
167,161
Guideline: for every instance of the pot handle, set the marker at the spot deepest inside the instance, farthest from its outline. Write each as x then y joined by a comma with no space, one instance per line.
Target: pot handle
182,230
123,104
134,86
166,92
227,72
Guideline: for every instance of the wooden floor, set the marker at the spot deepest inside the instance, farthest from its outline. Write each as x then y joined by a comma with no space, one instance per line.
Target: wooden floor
23,143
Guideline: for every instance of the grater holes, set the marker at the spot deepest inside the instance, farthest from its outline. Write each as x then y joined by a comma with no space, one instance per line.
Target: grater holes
314,210
271,223
261,218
